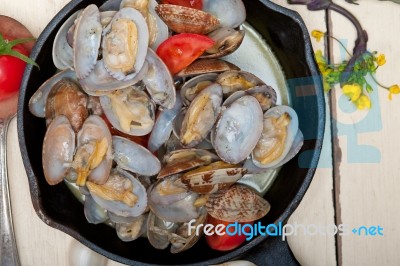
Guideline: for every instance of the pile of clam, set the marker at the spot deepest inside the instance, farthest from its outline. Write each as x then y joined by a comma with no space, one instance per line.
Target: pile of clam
202,129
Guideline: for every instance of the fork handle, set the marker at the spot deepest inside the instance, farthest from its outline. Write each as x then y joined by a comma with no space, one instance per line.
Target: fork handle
8,246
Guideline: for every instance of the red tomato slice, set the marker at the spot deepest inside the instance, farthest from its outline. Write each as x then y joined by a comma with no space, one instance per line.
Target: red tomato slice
224,242
198,4
181,50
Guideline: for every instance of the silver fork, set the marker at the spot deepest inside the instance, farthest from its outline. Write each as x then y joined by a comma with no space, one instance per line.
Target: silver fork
8,246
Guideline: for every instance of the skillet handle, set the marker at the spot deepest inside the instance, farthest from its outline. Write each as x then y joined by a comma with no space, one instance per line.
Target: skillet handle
271,252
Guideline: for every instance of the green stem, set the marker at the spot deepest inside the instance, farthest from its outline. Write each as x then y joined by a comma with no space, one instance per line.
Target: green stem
344,47
377,82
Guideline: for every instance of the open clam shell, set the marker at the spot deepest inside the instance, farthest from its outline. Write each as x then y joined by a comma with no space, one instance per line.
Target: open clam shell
58,150
171,202
162,31
212,178
163,126
94,213
238,130
280,128
230,13
159,82
134,157
201,116
203,66
94,128
227,40
130,111
182,239
195,85
182,19
182,160
123,184
87,38
159,231
113,35
232,81
100,82
237,204
62,52
131,231
264,94
37,103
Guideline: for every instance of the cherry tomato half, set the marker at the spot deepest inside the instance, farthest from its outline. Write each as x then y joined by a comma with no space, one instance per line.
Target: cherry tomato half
198,4
224,242
181,50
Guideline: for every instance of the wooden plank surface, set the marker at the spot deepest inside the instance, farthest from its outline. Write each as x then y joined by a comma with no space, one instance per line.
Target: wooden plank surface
368,178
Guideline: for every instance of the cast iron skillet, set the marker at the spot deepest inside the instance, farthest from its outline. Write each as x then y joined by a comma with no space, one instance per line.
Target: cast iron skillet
286,34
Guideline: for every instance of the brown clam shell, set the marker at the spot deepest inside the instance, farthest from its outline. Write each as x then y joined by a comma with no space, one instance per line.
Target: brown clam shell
211,181
186,159
184,19
238,203
66,98
203,66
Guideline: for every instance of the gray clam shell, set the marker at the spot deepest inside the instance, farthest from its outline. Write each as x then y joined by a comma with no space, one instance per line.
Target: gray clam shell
293,129
143,40
120,208
230,13
134,157
159,82
238,130
193,82
94,213
87,37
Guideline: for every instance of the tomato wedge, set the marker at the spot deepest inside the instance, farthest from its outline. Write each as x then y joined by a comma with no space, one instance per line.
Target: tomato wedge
198,4
224,242
181,50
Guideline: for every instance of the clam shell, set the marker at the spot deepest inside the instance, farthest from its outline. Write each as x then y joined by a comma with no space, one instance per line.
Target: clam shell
238,130
37,103
143,40
87,38
230,13
203,66
159,231
100,82
182,240
66,98
178,209
134,157
94,128
93,212
265,95
62,53
159,82
201,116
120,219
119,208
237,204
232,81
131,98
227,40
110,5
58,150
292,130
187,92
211,181
182,160
131,231
166,192
163,126
161,28
184,19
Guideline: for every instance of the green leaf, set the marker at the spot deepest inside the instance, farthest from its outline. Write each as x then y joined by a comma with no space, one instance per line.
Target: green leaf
369,88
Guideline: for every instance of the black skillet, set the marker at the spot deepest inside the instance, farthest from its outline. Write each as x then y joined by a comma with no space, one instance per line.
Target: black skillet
286,34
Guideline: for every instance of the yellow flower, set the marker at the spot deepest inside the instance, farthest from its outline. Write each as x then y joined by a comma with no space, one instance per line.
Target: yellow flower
381,60
317,34
395,89
352,91
363,102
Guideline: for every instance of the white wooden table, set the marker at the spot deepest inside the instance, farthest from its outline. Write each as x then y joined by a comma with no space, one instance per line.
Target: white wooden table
361,189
